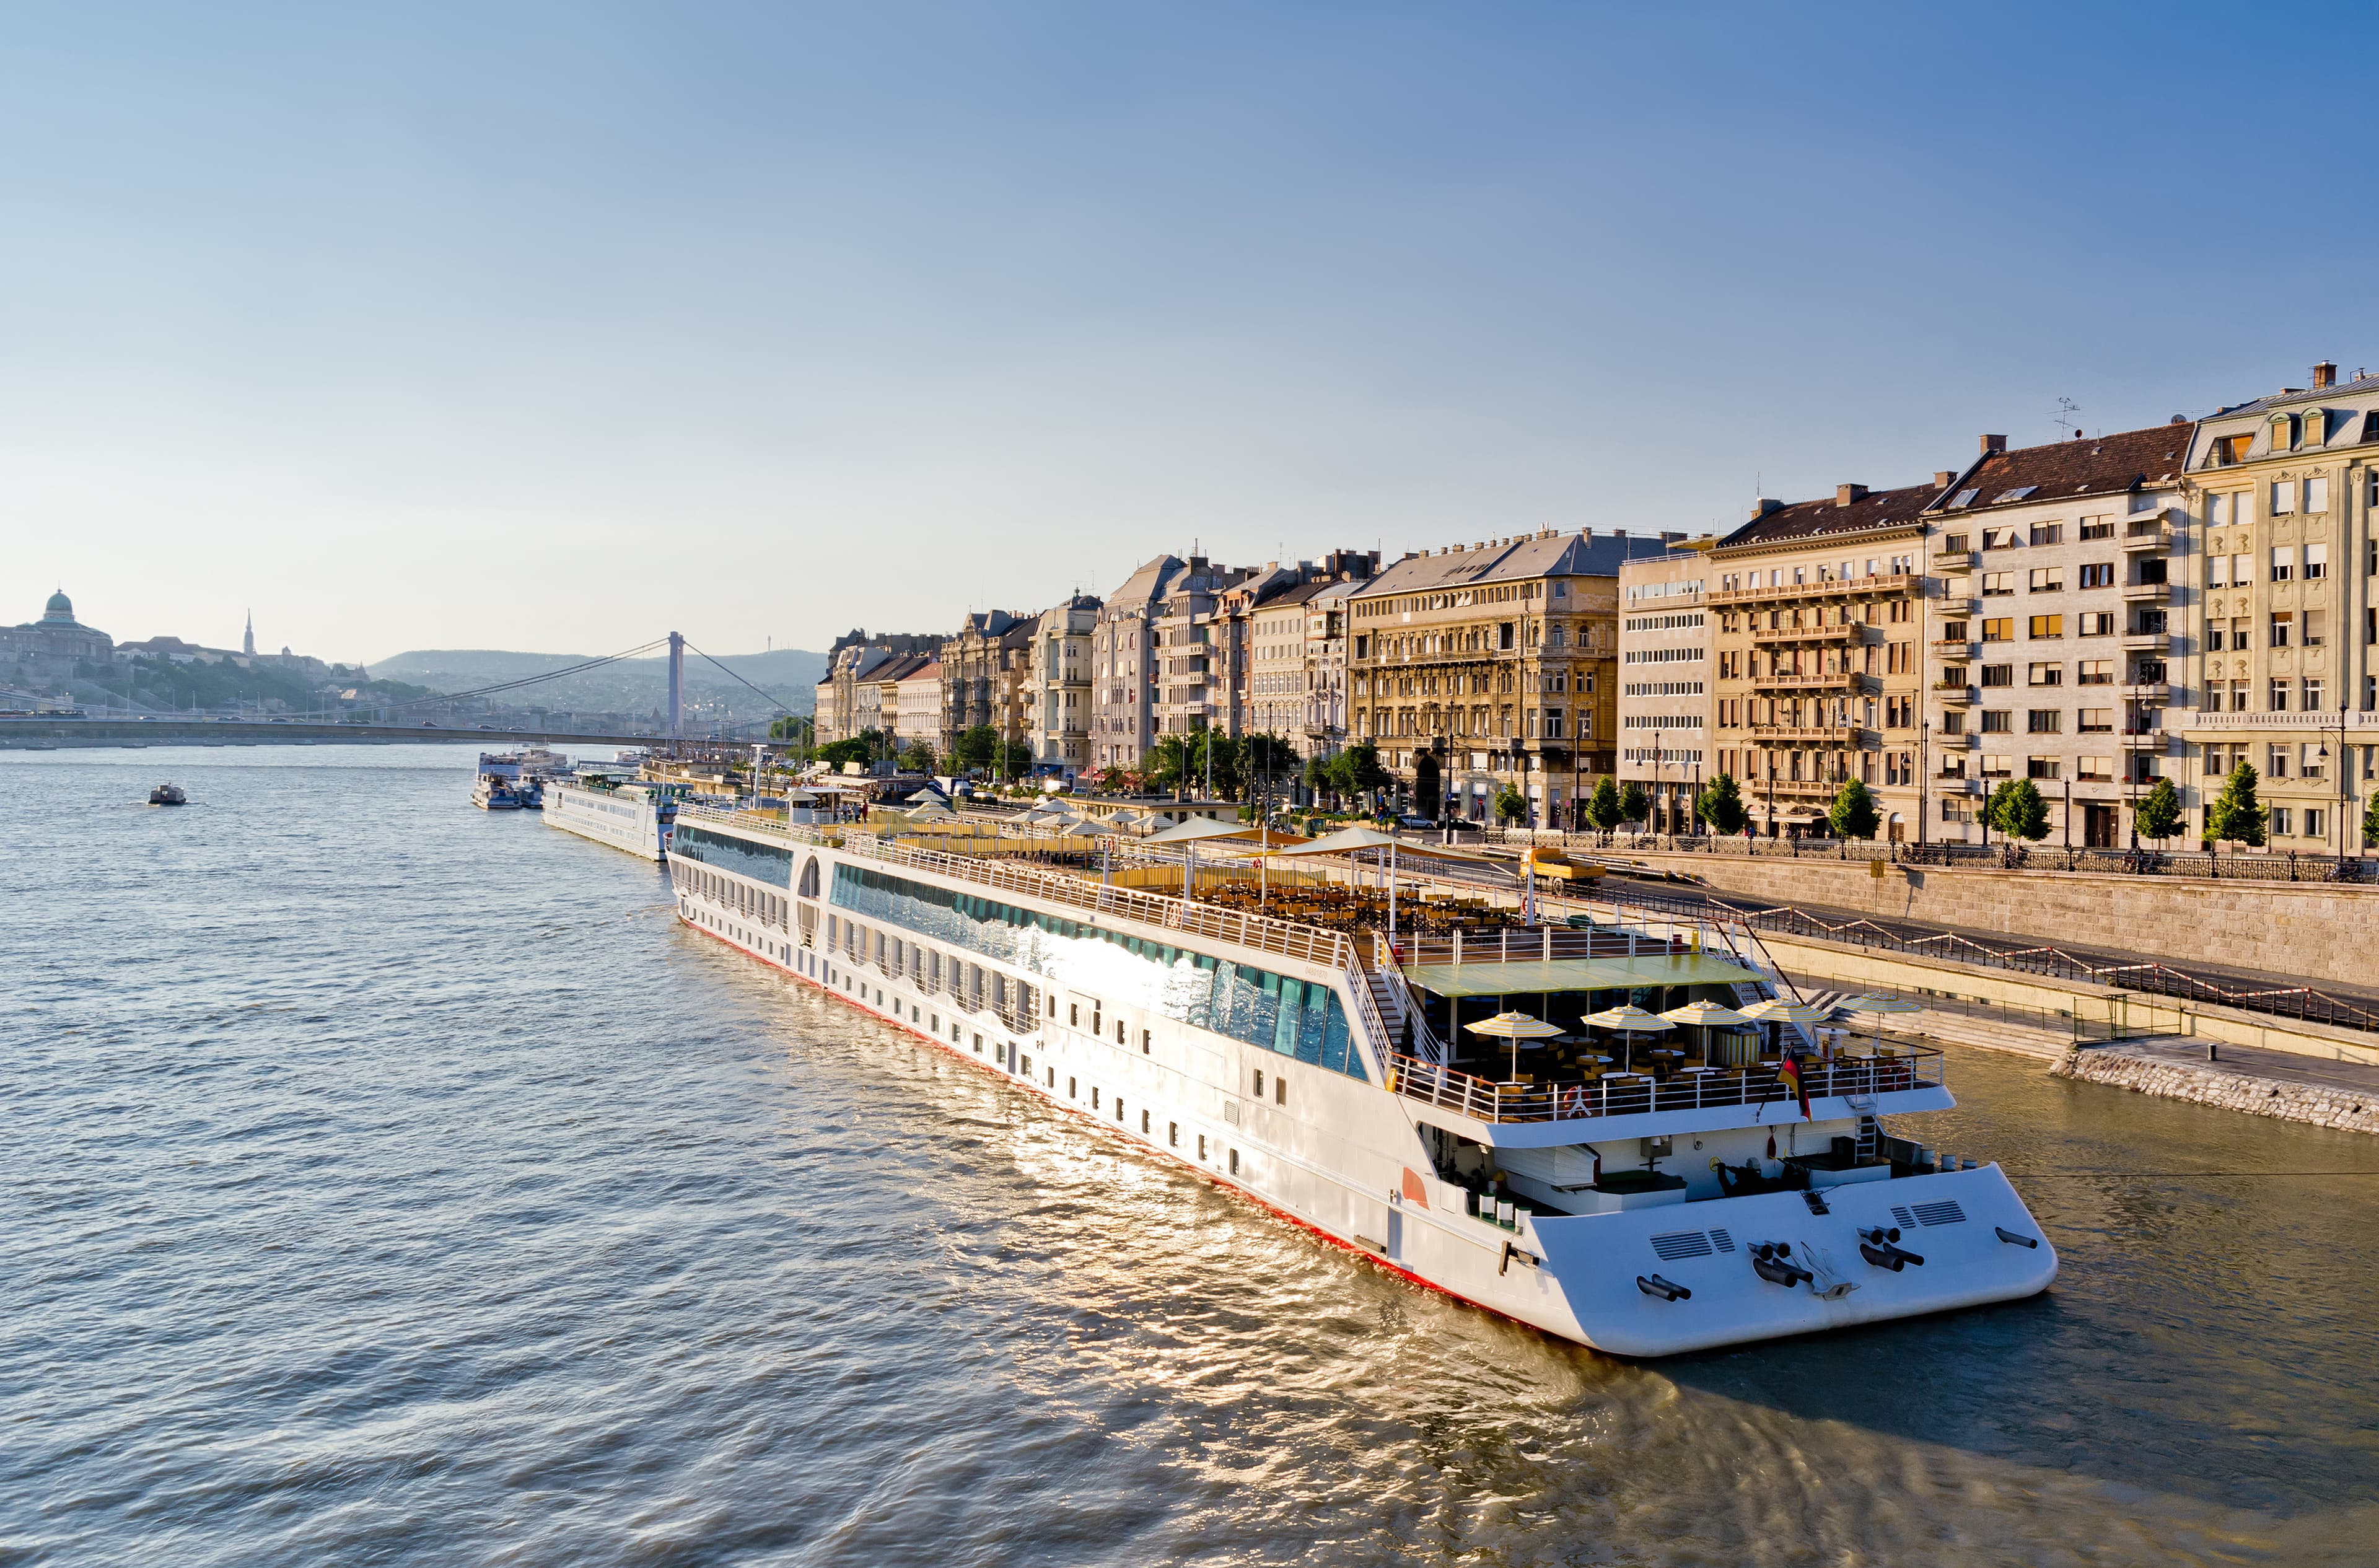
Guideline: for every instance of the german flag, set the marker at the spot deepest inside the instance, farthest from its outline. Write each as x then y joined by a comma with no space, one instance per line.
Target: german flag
1788,1075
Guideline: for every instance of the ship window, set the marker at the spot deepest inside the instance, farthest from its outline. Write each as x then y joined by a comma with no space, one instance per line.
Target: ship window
1118,1031
1259,1083
978,1045
1279,1089
1069,1088
1235,1162
1201,1146
1095,1097
1173,1135
1145,1038
1143,1123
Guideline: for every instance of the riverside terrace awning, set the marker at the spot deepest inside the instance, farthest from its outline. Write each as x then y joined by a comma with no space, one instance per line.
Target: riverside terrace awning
1577,974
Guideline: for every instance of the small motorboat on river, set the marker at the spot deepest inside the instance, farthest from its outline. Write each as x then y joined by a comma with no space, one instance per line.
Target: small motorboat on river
168,795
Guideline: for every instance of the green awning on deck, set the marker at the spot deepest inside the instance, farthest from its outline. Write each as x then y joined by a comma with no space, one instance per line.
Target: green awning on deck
1576,974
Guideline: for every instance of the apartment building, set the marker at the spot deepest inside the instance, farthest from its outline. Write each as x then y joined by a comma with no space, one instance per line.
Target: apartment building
2282,489
855,658
1061,686
2057,640
1665,704
1818,608
1261,659
920,706
1323,727
1496,658
1197,657
986,671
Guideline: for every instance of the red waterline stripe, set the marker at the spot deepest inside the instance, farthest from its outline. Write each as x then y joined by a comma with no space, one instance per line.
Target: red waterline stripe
1365,1254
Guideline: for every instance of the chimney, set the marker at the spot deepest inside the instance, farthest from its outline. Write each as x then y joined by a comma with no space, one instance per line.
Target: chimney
1994,443
1618,533
1943,478
2324,374
1586,533
1845,494
1765,505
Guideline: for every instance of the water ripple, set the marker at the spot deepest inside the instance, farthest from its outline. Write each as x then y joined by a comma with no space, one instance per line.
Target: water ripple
388,1182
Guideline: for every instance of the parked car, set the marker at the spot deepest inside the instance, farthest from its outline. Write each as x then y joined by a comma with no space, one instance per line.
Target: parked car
1417,823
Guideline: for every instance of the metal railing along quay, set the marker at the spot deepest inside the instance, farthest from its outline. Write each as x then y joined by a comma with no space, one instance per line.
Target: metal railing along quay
2154,976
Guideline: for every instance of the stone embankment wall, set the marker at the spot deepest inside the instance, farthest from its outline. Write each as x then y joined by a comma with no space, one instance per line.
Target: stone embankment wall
2344,1109
2319,930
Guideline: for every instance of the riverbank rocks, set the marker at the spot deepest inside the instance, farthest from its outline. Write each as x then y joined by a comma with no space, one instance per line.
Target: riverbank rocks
2346,1109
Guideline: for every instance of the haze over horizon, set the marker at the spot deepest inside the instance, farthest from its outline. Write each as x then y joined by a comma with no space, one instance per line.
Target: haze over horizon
556,328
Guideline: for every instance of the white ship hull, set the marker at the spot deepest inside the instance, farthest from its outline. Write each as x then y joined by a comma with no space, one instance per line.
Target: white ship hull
634,819
1340,1151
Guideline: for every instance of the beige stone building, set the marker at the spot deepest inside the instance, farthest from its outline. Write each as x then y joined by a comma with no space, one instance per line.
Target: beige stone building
1496,658
2050,654
1820,613
1664,704
1061,685
2282,489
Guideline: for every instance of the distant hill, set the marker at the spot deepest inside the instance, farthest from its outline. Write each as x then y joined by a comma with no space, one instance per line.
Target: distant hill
633,685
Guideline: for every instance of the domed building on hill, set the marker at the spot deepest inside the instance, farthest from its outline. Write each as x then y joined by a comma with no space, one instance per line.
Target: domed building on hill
56,642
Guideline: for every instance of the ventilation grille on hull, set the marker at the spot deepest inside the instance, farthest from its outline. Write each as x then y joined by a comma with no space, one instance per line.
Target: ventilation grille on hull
1679,1244
1945,1213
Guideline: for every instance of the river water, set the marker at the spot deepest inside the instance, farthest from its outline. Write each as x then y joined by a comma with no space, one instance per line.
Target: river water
386,1182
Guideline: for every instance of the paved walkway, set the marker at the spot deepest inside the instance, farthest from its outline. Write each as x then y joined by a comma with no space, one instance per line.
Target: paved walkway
2246,1061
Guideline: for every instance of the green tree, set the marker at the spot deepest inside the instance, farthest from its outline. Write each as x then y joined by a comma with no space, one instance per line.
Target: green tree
1322,777
1267,764
1163,764
977,750
1360,773
837,752
1853,815
1603,811
2371,824
2022,814
1721,805
2237,816
794,727
1509,804
2158,817
1635,805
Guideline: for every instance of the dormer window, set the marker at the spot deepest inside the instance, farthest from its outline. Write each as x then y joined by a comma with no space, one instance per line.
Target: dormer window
2284,432
2314,430
1966,498
2016,494
2371,425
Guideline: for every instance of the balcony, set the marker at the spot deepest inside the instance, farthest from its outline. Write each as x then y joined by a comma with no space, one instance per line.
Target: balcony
2156,536
1959,695
1804,635
1886,584
1954,648
1831,681
1954,559
1798,788
2147,593
2158,691
2137,738
2147,642
1807,734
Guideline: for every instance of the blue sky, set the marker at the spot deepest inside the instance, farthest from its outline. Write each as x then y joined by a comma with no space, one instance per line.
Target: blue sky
557,327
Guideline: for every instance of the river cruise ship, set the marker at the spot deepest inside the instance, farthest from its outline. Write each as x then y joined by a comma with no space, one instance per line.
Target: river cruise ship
1678,1201
625,814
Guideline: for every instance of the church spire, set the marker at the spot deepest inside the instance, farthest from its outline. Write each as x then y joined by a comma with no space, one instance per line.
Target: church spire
248,643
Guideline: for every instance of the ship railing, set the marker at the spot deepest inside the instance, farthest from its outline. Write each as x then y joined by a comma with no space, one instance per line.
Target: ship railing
1635,1095
1287,938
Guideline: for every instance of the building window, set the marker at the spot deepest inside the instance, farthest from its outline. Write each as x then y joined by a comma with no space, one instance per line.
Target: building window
2284,562
2097,623
2317,561
2280,693
2283,825
1998,675
2040,768
2283,627
2047,579
1997,583
2046,626
2311,693
1998,721
2284,497
2096,528
2043,721
2097,574
2096,721
2045,675
2001,629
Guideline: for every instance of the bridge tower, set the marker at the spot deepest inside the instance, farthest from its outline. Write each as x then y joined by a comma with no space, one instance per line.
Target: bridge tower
676,686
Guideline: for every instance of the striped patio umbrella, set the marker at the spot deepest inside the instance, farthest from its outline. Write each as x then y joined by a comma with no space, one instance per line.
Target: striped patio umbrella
1777,1010
1513,1027
1627,1022
1705,1016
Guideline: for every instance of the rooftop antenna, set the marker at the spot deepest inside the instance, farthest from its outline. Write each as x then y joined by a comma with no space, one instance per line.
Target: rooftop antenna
2067,427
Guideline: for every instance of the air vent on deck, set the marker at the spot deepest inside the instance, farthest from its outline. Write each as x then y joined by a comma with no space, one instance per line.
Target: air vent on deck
1944,1213
1905,1220
1725,1242
1679,1244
